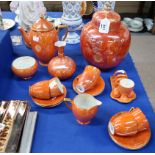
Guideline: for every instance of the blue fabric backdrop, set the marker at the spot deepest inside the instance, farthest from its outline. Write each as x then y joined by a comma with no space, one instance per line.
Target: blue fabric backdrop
56,128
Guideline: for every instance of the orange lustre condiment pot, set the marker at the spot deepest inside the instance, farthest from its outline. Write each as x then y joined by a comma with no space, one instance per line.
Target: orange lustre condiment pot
105,40
41,39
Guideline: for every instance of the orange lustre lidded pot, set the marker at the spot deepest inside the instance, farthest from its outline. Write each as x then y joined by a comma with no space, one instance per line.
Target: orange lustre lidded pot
105,40
41,39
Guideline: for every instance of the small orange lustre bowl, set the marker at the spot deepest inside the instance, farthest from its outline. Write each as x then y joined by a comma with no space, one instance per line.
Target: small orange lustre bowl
24,67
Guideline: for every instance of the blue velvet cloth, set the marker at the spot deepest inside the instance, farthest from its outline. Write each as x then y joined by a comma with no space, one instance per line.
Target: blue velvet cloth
5,61
56,128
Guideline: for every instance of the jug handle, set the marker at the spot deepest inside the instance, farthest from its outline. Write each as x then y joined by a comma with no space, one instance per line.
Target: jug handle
68,100
62,27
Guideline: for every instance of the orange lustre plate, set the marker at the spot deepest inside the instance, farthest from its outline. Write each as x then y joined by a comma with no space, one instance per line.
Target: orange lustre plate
51,102
135,142
96,90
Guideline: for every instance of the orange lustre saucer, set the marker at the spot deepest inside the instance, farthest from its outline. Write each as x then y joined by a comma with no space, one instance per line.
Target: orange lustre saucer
96,90
51,102
123,98
135,142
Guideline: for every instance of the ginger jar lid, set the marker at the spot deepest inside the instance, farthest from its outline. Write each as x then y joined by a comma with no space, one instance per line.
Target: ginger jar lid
112,16
42,25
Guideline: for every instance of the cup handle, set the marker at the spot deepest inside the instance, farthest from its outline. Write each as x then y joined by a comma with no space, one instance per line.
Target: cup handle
131,109
120,72
62,27
68,100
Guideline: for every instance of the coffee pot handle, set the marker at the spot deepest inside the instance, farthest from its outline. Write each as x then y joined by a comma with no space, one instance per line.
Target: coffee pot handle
63,27
68,100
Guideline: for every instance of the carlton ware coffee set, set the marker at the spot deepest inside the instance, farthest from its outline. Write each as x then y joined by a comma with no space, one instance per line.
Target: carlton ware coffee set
104,42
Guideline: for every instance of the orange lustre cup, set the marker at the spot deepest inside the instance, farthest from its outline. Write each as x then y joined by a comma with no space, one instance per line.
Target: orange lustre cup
129,123
88,78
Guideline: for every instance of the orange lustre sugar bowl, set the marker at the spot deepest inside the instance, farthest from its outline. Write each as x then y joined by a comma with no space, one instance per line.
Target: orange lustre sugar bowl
105,40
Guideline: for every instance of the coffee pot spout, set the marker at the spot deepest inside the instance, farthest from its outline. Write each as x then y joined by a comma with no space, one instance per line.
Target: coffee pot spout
25,36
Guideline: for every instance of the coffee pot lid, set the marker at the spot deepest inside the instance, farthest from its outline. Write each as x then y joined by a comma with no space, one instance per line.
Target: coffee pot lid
42,25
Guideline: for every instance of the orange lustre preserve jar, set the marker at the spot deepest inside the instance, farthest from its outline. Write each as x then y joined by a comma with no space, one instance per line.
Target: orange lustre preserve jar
105,48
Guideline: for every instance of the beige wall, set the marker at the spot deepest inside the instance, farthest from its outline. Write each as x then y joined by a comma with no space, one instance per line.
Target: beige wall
127,7
54,5
130,6
4,5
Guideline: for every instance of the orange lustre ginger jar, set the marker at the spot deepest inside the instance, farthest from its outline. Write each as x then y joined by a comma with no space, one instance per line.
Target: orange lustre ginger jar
105,40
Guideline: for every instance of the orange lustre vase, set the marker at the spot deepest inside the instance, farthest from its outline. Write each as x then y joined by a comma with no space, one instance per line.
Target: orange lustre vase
41,39
105,40
61,66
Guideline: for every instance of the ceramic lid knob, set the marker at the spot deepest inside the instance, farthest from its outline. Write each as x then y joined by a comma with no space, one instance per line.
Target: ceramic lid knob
42,25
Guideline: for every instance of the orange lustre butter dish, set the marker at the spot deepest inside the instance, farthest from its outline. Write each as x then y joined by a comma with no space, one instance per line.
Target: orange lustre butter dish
130,129
122,87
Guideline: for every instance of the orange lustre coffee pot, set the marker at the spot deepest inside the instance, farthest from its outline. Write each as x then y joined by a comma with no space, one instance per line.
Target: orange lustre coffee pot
41,39
105,40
